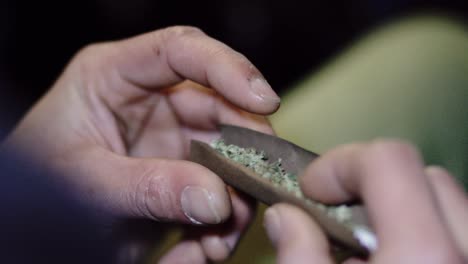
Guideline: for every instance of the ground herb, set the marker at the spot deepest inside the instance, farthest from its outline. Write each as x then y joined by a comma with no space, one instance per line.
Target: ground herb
275,173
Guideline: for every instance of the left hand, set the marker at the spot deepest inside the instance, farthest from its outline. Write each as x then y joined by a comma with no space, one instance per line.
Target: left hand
119,120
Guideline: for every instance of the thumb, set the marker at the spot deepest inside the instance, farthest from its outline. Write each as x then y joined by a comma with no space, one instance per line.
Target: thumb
160,189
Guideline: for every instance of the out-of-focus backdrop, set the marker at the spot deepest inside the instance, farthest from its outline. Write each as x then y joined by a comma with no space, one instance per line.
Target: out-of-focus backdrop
285,39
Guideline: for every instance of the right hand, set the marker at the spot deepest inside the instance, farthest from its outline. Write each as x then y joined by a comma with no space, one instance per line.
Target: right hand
419,213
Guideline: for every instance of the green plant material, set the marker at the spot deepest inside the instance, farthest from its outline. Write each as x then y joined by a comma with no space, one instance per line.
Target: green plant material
275,173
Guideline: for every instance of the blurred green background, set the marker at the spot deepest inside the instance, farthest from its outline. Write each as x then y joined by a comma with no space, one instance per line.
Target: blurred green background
407,79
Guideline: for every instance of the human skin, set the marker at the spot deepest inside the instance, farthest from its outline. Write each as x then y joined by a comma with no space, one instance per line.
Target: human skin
419,213
117,125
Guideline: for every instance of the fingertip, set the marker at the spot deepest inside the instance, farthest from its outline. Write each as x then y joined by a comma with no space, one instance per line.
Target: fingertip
272,225
203,206
205,199
354,261
296,236
185,252
445,185
441,180
452,201
222,242
438,173
320,181
215,248
265,100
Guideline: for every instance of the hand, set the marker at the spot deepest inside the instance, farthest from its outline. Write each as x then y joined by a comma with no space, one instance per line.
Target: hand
419,213
119,120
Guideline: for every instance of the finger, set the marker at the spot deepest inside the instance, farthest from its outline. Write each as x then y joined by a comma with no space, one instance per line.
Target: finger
454,205
198,111
186,252
165,57
297,238
154,188
354,261
201,108
220,242
389,177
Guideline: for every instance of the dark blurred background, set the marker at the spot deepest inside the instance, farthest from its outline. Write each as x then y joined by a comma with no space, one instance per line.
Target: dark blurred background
285,39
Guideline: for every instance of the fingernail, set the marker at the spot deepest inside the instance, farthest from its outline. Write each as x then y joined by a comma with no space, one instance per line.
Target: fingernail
272,224
215,248
263,91
231,240
366,238
199,206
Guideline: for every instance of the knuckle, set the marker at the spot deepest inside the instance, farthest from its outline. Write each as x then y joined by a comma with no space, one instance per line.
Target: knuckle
89,49
151,194
93,50
178,31
139,197
392,148
93,57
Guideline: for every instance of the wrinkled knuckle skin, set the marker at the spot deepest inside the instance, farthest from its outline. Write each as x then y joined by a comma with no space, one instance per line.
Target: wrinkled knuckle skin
222,50
139,197
151,194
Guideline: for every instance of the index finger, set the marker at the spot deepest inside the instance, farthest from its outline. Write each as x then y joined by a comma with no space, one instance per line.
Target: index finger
389,177
165,57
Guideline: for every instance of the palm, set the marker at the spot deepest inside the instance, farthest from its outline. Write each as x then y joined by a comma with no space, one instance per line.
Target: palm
162,123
